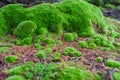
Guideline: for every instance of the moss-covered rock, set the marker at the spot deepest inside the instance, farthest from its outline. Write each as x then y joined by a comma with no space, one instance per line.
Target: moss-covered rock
25,29
70,15
14,14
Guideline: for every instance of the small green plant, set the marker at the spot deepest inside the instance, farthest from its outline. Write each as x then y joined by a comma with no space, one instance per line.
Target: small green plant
83,44
15,77
99,59
41,54
25,29
27,41
10,59
113,63
69,37
71,52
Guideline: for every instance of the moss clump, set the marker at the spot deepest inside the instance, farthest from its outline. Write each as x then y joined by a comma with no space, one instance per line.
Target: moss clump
56,56
71,52
16,77
27,41
116,76
25,29
38,46
10,59
49,40
48,50
83,44
3,26
41,54
99,59
92,45
112,63
43,31
75,35
69,37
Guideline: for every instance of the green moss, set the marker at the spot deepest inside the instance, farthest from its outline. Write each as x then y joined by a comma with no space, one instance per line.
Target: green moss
18,41
3,26
39,38
41,54
110,6
48,50
56,56
15,70
99,59
47,16
83,44
14,14
27,41
116,76
69,15
69,37
16,77
71,52
49,41
43,31
25,29
75,35
92,45
38,46
59,71
10,58
112,63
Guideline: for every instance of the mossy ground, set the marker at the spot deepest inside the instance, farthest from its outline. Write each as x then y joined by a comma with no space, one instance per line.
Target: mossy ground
42,56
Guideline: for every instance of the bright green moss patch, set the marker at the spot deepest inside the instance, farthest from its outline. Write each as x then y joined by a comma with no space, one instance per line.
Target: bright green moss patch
69,37
27,41
16,77
43,31
14,14
71,52
25,29
99,59
10,58
112,63
41,54
60,71
116,76
69,15
83,44
3,26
